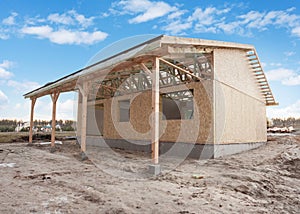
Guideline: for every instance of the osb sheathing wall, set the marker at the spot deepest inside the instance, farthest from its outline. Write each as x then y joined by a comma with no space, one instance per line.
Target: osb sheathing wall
199,129
239,106
94,127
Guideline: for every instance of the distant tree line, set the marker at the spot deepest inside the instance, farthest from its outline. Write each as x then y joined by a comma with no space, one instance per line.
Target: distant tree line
10,125
279,122
68,125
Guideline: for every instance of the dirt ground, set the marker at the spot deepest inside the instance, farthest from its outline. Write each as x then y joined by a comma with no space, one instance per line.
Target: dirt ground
264,180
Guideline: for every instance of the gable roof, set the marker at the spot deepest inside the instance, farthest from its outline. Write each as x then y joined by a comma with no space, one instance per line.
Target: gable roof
157,46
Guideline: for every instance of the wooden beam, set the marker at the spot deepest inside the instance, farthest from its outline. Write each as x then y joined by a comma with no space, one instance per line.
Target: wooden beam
54,98
69,86
78,124
84,92
155,112
33,100
178,68
109,87
145,69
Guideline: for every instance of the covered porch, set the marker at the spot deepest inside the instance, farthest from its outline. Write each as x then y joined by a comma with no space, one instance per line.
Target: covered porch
153,66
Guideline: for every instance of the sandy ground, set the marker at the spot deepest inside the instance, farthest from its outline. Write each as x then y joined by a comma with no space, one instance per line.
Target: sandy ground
264,180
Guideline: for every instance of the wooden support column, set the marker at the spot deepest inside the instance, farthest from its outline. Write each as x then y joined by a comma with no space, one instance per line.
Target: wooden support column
33,100
78,125
155,112
84,92
54,98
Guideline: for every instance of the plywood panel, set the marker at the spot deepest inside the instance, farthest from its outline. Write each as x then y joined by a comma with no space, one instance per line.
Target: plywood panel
231,67
95,120
239,106
197,130
200,128
239,118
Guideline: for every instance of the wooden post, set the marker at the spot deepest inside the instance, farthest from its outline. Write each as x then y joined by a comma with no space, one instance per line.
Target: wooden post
155,112
33,100
84,92
54,98
79,105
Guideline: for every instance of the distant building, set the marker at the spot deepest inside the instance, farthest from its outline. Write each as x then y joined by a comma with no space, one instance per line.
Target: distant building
21,126
46,128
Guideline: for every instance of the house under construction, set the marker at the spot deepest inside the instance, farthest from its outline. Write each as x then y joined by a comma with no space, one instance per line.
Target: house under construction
188,96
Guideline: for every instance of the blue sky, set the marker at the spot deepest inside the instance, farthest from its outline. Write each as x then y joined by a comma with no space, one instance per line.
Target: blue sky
41,41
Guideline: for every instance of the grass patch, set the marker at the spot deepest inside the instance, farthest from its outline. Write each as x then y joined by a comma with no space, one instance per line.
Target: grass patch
11,137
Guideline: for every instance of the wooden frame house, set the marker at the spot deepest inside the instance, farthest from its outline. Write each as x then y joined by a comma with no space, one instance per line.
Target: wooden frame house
185,96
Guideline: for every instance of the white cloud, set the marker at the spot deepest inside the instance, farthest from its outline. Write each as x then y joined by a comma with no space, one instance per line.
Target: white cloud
6,64
3,99
293,80
42,108
209,20
34,20
8,26
18,106
132,6
65,109
82,20
70,27
263,20
63,36
231,27
144,10
216,20
40,31
176,14
61,19
158,10
285,76
10,20
176,27
175,24
289,53
66,105
264,64
77,37
285,18
289,111
279,74
207,16
22,87
4,73
3,35
254,19
276,64
296,31
104,15
71,18
291,9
